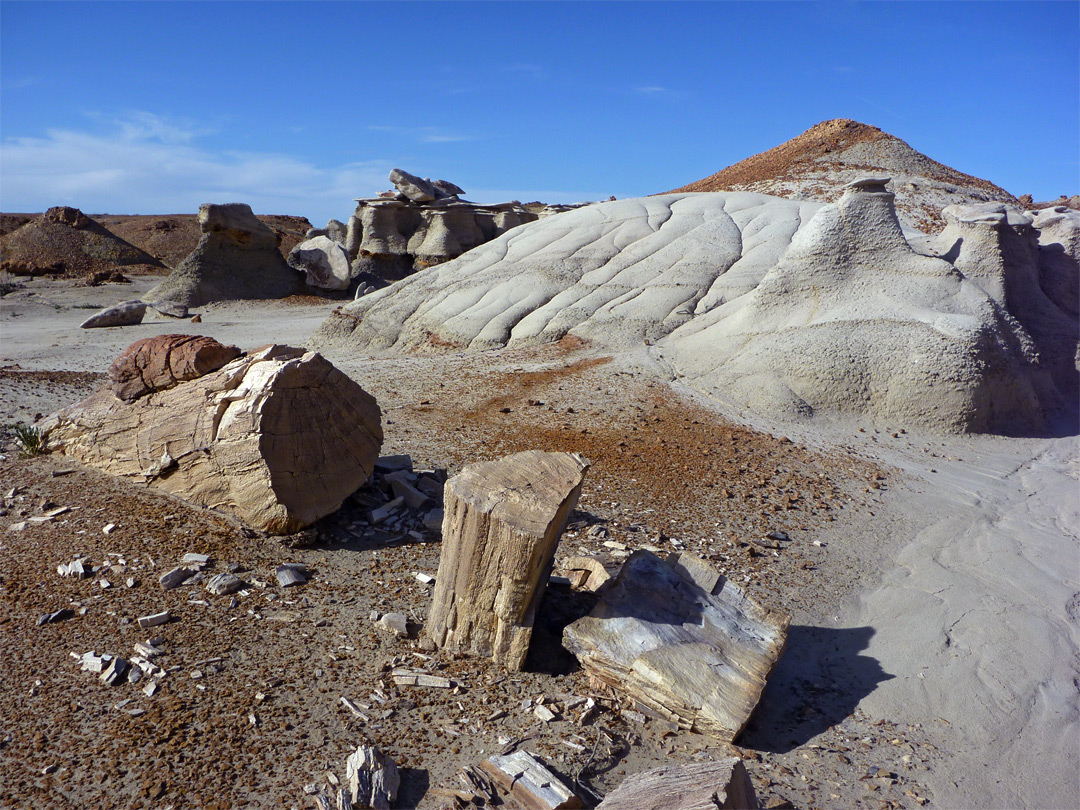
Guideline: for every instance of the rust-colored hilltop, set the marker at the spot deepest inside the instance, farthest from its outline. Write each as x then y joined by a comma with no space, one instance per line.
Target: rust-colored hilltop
816,164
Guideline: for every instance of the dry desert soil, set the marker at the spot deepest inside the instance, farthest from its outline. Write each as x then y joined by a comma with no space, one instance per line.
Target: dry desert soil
868,708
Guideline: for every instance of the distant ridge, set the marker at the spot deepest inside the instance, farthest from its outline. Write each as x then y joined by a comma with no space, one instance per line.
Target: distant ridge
816,164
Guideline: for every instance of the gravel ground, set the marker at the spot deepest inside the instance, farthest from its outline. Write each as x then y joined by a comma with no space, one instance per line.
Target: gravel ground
250,710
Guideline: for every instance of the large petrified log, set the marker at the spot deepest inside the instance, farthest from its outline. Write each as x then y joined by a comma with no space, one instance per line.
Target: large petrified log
502,521
720,785
278,437
682,641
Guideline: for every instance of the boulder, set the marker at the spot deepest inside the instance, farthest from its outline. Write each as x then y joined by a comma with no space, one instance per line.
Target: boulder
412,187
721,784
237,257
445,189
324,262
337,230
277,438
502,522
162,362
681,640
126,313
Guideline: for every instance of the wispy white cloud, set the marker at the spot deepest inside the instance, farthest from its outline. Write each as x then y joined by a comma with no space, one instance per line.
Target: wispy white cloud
425,134
659,92
144,163
19,83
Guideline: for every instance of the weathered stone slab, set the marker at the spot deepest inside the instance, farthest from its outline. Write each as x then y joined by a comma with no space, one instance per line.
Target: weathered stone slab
126,313
697,657
502,522
720,785
278,438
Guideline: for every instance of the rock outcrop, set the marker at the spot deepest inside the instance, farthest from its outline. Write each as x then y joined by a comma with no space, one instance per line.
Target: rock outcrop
817,165
788,308
421,223
853,320
277,438
237,257
682,641
64,241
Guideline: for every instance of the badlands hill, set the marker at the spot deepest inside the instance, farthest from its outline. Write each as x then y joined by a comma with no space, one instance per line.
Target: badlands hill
816,164
784,307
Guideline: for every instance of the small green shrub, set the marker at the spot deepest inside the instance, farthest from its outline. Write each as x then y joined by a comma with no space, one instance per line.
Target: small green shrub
30,439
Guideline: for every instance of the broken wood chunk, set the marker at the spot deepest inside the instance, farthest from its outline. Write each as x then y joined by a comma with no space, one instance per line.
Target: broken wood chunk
155,619
56,616
528,781
224,584
115,672
373,779
598,570
697,657
290,574
412,677
501,525
176,577
719,785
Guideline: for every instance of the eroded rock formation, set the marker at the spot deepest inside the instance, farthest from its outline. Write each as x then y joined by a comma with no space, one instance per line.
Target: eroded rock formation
278,437
237,257
784,307
64,241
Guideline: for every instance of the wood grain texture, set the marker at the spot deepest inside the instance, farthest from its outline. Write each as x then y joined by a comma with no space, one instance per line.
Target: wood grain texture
501,525
278,438
682,641
720,785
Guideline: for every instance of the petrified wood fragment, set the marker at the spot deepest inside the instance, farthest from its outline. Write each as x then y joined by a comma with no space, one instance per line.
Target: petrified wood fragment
163,361
278,438
527,781
681,640
720,785
501,526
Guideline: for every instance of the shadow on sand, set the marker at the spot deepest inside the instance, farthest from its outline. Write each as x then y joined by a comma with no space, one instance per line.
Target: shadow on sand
818,682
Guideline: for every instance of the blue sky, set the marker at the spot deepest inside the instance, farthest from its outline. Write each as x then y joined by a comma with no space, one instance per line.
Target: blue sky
298,107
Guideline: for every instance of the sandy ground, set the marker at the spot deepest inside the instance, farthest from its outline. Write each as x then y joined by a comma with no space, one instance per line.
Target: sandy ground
934,585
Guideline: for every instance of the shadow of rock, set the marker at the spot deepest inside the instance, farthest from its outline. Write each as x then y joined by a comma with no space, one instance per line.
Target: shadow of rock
817,683
415,783
559,607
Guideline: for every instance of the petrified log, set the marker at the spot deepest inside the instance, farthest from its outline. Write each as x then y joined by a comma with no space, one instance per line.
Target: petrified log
529,783
501,524
278,438
682,641
720,785
163,361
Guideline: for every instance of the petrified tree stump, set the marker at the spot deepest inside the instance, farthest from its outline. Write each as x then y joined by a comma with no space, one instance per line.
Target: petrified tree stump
682,641
501,525
720,785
